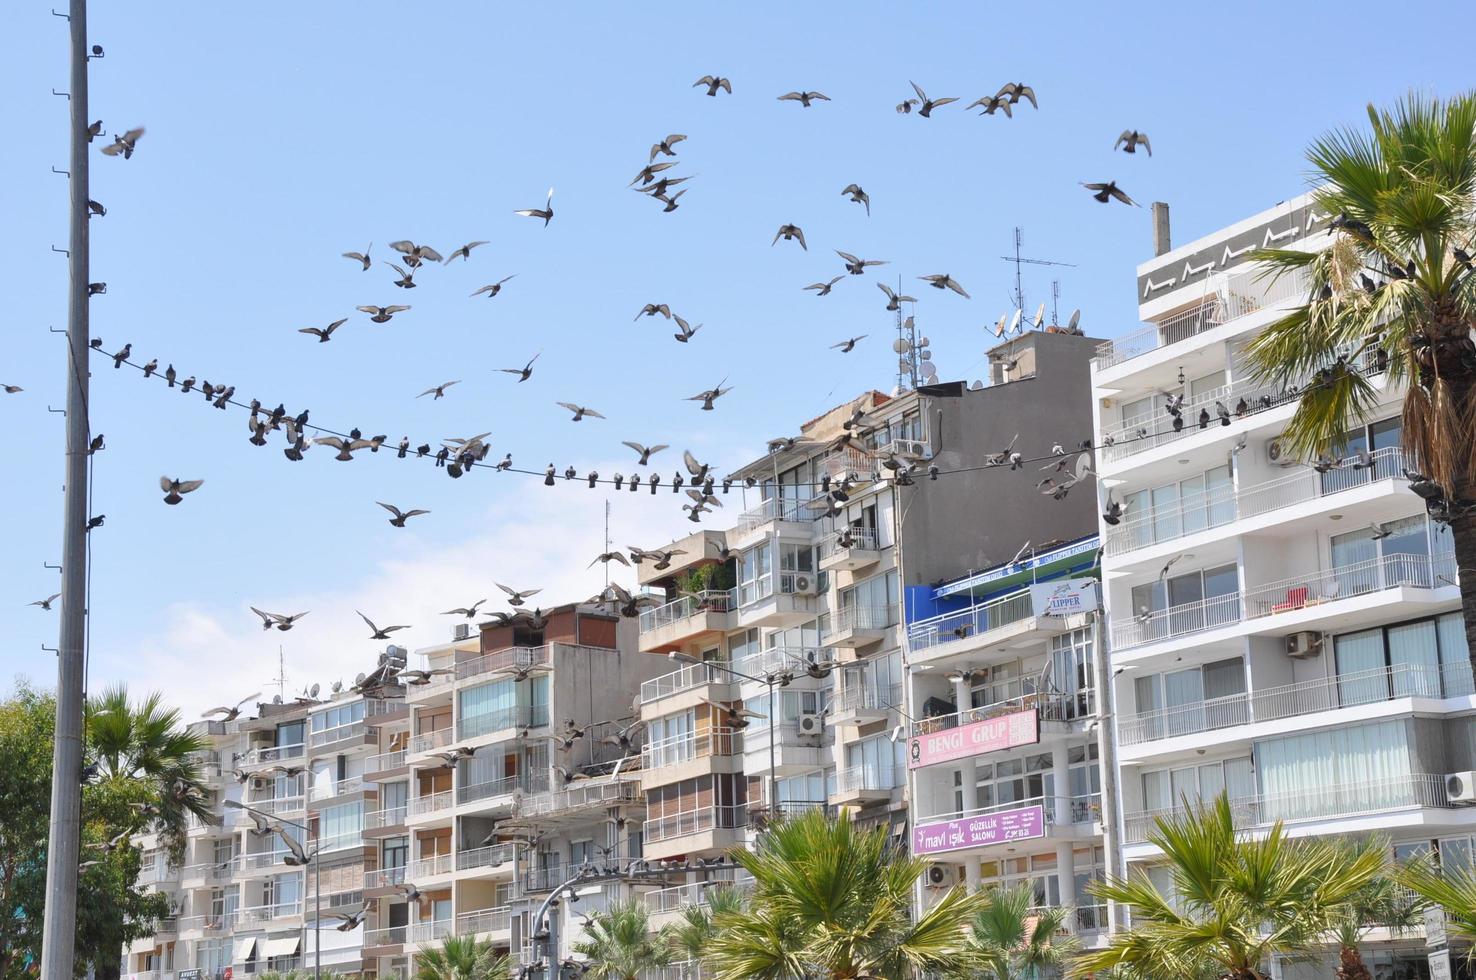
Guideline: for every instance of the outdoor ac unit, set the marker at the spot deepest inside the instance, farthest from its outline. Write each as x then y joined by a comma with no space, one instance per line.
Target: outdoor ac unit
1276,453
804,584
1304,645
461,631
258,784
914,448
1460,787
942,875
810,724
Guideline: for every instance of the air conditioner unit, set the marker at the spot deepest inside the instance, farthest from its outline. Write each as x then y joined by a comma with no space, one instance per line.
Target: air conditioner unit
1460,787
461,631
811,724
803,584
1304,645
1277,455
258,784
942,875
915,448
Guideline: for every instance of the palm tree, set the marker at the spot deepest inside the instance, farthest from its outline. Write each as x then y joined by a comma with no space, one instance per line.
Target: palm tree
462,958
146,744
1380,903
832,900
1392,294
1235,901
1453,890
618,944
688,937
1010,941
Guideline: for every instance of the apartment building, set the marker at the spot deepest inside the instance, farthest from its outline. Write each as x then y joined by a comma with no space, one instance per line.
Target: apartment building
512,780
1284,633
244,905
785,633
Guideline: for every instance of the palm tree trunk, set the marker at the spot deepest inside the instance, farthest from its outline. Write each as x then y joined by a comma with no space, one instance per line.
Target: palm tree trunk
1351,965
1463,534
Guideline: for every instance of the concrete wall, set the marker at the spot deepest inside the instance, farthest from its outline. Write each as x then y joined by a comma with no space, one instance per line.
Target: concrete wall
972,521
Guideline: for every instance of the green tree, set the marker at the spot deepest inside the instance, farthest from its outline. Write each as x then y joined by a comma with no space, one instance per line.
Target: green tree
618,944
832,900
1381,903
1393,291
688,937
1008,940
1454,890
1235,900
462,958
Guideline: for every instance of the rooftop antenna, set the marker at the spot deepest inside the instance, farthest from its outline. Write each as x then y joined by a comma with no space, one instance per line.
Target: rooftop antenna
280,681
1055,301
913,356
607,541
1019,261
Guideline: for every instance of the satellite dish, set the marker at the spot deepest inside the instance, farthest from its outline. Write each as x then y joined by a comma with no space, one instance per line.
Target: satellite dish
928,371
1039,316
926,355
337,686
924,342
901,346
907,323
314,691
276,699
1071,325
359,680
903,364
999,327
1015,322
977,386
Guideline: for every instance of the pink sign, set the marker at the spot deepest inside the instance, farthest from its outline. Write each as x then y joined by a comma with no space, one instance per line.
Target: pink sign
975,738
1025,823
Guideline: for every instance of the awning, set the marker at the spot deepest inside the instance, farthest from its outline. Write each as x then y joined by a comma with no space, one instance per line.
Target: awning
244,948
286,946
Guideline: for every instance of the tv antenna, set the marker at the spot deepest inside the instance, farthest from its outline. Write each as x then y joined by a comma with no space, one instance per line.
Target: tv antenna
1020,261
280,681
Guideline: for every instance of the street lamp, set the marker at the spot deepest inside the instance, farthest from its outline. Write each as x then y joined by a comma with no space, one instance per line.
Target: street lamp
782,679
276,823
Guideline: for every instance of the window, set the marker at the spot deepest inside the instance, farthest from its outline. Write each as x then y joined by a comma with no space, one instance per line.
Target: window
797,792
796,568
341,825
671,739
1008,781
339,716
488,708
871,604
1382,440
792,704
755,575
291,733
393,799
1195,699
1192,602
1425,658
875,763
394,852
1362,565
581,852
1344,770
1170,789
1071,671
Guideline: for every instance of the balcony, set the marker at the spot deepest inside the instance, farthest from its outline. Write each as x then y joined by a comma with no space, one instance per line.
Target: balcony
430,931
517,717
431,867
780,660
383,711
860,785
493,791
793,751
261,862
1021,719
1316,596
857,627
383,878
694,822
687,618
1060,818
270,755
278,805
392,936
980,626
503,661
710,680
201,875
1315,802
678,750
863,549
485,922
210,924
321,740
430,806
485,858
675,898
1295,700
575,800
430,741
261,914
336,788
776,509
864,704
384,762
1237,296
348,840
1228,505
386,822
777,599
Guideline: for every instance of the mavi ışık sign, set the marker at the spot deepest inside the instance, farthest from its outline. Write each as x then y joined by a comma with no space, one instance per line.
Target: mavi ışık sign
1024,823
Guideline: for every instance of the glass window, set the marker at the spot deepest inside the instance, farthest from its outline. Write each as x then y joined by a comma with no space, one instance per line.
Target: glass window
1344,770
291,733
755,575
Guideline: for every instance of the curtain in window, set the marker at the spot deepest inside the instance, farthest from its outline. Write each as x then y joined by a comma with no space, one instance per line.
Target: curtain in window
1455,659
1360,665
1219,495
1414,656
1354,572
1346,770
1183,694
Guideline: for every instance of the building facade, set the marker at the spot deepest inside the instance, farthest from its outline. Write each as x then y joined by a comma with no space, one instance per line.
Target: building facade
1286,634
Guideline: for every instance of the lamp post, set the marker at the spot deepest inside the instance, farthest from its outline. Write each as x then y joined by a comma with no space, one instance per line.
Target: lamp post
312,858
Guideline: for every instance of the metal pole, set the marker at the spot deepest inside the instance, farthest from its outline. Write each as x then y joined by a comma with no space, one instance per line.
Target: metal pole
58,939
773,773
1107,760
317,910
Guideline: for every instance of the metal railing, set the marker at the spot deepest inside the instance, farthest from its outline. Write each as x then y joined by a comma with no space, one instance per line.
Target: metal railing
210,922
473,923
778,660
691,745
1303,698
266,913
211,871
578,796
267,755
388,936
384,761
696,822
973,621
506,659
430,930
1052,707
1288,595
260,860
674,898
338,787
687,606
390,816
347,839
426,741
853,618
868,779
281,804
527,782
426,867
384,877
516,716
862,539
1234,297
685,679
865,698
490,856
1313,802
1226,504
776,509
338,733
378,707
434,803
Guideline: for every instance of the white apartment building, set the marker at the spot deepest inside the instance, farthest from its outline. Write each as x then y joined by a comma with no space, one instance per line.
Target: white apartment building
1286,634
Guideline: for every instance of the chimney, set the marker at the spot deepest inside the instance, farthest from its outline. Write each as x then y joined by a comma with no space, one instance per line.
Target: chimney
1161,243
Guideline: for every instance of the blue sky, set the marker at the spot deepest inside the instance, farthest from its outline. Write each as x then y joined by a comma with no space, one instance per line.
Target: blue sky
282,135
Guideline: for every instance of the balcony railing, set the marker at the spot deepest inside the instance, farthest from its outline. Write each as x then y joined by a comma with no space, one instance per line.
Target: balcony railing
260,860
430,930
377,707
779,660
696,822
1225,505
577,796
688,606
973,621
853,618
384,878
677,897
866,698
281,804
687,678
527,782
384,761
1016,697
211,922
515,716
266,913
426,867
502,660
691,745
862,539
389,936
1288,595
390,816
869,779
208,872
426,741
1314,802
271,754
490,856
338,733
484,920
776,509
1304,698
338,787
1237,296
434,803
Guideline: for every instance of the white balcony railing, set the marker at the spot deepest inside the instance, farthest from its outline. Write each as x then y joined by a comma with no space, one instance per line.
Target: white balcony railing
862,539
209,923
427,867
1059,810
687,606
490,856
580,795
384,761
1226,505
390,816
674,898
696,822
430,930
272,754
1011,696
1304,698
779,660
1234,297
1315,801
973,621
859,618
775,509
338,787
865,698
1287,595
337,733
686,679
481,921
267,913
281,804
525,782
507,659
434,803
384,878
428,741
868,779
687,746
389,936
503,719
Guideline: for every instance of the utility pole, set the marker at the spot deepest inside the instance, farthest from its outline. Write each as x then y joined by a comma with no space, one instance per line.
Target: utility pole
58,938
1112,829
